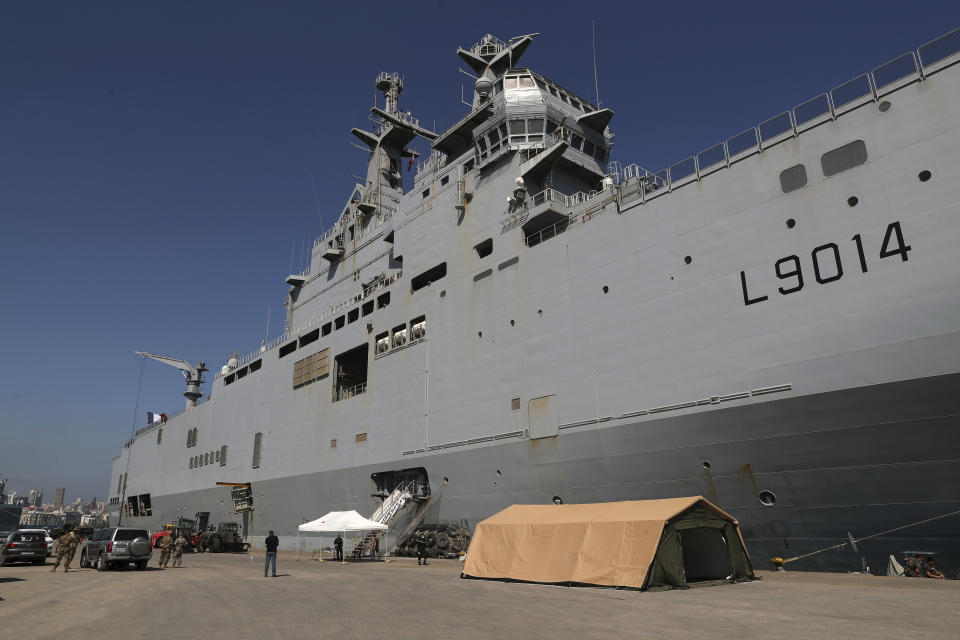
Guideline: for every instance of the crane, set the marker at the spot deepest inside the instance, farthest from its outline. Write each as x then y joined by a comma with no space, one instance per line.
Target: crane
192,374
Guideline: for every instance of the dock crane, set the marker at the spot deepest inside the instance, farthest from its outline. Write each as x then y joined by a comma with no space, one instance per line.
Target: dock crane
192,374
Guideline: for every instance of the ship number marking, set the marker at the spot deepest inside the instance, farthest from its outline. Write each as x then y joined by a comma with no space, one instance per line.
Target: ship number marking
827,266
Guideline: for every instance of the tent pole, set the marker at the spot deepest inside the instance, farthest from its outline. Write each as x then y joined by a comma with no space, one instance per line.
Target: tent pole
298,543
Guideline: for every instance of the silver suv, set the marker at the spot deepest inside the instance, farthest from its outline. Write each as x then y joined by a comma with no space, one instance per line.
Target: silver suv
117,547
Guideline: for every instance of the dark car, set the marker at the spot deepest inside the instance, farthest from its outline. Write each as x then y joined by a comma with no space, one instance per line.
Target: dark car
24,545
116,547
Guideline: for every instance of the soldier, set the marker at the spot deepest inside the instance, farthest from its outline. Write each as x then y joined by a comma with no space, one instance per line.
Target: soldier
66,547
166,542
422,543
338,548
178,550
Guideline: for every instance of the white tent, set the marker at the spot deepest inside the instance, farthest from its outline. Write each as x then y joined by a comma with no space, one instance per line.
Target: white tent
340,522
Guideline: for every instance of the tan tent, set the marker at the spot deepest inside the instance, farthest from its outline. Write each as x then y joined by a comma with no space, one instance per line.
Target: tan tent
643,544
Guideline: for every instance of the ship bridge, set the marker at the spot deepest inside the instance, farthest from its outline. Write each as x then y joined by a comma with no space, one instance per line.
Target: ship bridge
519,110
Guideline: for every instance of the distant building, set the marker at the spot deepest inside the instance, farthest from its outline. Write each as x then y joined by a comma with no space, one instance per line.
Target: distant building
93,520
40,519
58,501
35,498
3,488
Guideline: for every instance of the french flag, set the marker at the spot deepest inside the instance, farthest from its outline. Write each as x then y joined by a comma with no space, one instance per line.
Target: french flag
153,418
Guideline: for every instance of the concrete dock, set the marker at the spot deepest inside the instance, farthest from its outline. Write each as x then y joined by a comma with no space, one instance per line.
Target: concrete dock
226,596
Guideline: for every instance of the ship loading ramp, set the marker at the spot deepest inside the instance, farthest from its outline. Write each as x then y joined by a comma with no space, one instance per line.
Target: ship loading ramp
674,543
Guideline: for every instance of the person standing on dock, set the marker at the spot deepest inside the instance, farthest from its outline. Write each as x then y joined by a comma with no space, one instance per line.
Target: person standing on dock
338,548
66,546
178,546
166,542
421,550
271,542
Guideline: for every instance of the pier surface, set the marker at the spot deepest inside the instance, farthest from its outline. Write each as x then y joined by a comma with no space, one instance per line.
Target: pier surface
226,596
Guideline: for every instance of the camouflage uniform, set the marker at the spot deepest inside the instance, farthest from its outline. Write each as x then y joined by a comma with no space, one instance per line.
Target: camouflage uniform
165,543
178,551
66,547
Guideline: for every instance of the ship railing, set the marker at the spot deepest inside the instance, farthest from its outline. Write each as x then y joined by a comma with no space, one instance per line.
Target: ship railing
555,229
431,163
906,69
348,392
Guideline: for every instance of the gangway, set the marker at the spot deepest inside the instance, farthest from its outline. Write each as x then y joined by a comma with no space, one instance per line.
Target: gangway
412,491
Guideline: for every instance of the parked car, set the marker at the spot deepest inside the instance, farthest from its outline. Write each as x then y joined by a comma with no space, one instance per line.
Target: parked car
116,547
24,545
50,543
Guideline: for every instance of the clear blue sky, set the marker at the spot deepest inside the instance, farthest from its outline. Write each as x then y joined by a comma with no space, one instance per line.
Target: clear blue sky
158,160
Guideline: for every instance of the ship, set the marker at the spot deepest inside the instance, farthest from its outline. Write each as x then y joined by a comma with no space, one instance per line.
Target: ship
772,323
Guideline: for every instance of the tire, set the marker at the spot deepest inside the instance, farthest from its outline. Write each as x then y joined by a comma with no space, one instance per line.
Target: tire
215,545
139,547
101,563
83,560
141,565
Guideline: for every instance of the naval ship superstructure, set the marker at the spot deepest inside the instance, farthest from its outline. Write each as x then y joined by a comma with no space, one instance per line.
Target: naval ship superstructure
773,323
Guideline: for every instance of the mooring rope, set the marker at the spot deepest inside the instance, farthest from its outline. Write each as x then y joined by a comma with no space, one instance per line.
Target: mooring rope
854,541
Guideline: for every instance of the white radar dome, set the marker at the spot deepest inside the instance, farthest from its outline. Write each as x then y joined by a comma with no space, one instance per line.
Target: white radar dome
232,363
483,87
224,370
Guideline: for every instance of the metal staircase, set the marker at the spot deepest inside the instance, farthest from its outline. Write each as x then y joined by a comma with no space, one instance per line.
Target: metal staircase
413,491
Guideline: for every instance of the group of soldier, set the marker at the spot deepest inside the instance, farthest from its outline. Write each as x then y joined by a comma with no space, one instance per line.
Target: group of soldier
169,546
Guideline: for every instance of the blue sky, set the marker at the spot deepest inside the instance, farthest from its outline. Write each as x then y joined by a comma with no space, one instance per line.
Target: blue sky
159,161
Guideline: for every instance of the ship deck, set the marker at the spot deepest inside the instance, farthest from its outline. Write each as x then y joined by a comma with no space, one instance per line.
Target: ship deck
226,595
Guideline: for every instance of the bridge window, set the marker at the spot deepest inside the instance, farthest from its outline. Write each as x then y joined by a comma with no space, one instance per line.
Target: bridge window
383,300
223,456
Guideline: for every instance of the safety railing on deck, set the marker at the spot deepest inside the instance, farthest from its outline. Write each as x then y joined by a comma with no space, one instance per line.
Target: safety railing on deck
903,70
348,392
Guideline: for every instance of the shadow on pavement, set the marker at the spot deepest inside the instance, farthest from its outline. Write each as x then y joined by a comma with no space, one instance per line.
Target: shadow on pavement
12,579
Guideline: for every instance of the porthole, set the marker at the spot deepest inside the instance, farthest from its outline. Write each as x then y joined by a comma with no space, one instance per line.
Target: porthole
606,288
479,334
791,223
498,472
512,323
687,259
884,106
557,500
767,498
706,465
443,293
539,312
853,201
446,480
924,175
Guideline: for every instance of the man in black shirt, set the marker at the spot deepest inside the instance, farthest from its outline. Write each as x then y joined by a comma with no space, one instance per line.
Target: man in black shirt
271,542
338,548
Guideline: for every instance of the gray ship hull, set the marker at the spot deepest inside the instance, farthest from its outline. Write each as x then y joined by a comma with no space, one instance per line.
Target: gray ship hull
776,329
858,461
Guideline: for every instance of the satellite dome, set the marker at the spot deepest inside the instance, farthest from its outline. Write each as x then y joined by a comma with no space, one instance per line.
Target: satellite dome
232,363
224,370
483,87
